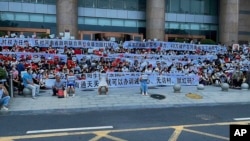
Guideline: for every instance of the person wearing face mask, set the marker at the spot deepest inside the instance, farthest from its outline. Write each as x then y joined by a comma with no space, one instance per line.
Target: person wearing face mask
29,83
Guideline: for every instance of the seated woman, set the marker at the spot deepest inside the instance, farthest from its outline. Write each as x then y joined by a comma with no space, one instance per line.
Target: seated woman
237,78
204,79
71,82
103,82
17,82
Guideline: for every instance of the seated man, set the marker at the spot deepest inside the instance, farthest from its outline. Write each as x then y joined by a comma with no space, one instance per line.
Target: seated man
4,97
29,83
58,85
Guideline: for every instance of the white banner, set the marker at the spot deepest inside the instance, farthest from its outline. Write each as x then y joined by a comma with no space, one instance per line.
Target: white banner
34,56
56,43
131,79
173,46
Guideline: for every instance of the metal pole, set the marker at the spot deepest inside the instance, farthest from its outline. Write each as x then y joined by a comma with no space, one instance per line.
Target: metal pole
11,84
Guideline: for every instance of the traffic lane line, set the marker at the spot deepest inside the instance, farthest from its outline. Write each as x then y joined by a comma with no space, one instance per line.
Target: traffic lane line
68,129
32,136
239,119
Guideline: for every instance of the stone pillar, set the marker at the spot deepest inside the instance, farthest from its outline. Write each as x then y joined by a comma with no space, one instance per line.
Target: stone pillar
67,17
228,21
155,19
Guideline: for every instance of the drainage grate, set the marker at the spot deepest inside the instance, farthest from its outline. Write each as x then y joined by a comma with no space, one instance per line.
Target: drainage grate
88,90
157,96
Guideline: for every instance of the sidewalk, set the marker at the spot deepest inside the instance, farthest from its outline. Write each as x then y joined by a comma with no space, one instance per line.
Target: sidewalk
128,98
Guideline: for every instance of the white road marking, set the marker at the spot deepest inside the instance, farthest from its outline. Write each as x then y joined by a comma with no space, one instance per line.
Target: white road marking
238,119
68,129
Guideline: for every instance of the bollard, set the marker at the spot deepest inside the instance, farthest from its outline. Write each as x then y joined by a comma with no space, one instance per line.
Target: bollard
177,88
11,84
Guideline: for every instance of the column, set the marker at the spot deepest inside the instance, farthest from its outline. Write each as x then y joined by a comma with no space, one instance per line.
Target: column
228,21
155,19
67,17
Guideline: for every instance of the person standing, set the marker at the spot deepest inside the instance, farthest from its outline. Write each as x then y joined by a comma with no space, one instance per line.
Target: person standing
144,86
29,83
103,82
4,97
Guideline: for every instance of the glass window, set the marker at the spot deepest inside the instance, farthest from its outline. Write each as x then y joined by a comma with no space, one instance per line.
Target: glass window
213,27
38,1
90,3
21,17
81,3
7,16
26,1
36,17
174,25
117,22
204,27
103,4
174,6
131,4
91,21
80,20
196,6
206,7
50,18
185,6
142,5
195,26
52,2
117,4
141,23
17,0
214,7
166,25
102,21
130,23
184,26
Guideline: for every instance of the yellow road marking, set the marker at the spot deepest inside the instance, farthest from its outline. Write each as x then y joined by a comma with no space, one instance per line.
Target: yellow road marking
12,138
206,134
176,133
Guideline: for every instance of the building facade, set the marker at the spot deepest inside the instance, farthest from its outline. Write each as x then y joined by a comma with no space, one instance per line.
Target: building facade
224,21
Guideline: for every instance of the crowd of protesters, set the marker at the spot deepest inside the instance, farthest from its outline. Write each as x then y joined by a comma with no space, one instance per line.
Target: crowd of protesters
230,67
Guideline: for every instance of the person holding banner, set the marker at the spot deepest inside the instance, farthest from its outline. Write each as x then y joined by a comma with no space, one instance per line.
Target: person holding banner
144,86
71,82
103,82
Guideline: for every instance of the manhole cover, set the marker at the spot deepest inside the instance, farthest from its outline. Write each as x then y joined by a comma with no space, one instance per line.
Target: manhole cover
157,96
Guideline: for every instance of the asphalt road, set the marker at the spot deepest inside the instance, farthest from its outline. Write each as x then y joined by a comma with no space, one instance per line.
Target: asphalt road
207,123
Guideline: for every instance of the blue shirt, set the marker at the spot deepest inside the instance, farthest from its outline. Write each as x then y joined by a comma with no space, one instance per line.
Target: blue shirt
26,77
1,93
20,67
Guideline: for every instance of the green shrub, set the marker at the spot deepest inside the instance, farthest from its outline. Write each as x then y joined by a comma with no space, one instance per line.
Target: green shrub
208,42
180,40
3,73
